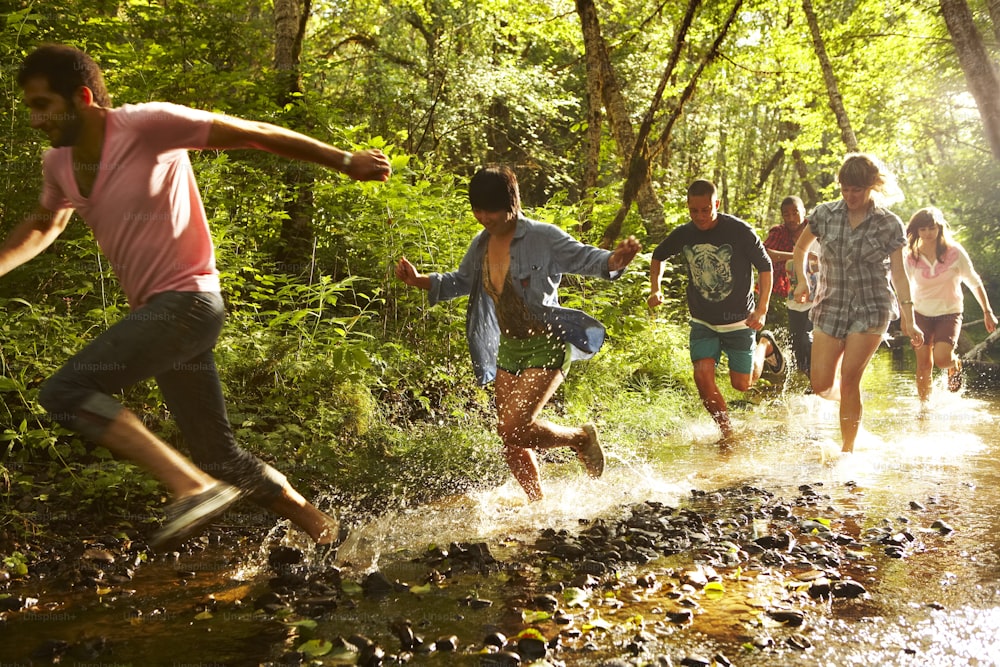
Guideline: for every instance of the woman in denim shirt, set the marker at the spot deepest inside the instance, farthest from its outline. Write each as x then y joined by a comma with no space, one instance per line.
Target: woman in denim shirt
518,334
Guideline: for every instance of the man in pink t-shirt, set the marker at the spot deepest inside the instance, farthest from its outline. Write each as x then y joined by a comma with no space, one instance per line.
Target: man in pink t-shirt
126,172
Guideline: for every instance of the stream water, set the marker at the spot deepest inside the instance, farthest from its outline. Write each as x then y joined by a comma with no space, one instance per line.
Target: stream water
939,605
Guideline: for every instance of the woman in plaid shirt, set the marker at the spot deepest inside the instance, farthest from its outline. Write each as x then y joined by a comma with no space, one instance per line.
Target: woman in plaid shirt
861,263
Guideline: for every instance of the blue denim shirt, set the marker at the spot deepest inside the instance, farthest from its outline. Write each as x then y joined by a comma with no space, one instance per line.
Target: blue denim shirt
540,254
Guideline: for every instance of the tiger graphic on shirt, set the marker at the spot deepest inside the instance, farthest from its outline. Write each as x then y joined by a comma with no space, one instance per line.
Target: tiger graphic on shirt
711,272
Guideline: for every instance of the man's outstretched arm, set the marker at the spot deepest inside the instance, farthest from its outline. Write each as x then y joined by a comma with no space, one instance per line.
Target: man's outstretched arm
35,233
231,132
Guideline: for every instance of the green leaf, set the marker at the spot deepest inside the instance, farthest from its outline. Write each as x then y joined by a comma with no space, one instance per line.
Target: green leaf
714,590
529,616
306,624
8,384
315,648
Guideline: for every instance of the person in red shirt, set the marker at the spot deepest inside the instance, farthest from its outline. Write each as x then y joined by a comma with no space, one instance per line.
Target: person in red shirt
780,243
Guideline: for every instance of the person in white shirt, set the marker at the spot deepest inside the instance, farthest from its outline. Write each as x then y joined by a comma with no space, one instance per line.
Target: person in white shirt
936,266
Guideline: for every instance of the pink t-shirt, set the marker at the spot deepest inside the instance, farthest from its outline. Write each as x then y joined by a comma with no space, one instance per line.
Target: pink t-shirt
937,287
144,208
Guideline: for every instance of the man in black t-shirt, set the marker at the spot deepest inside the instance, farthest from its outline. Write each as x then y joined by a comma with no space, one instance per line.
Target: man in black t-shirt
721,252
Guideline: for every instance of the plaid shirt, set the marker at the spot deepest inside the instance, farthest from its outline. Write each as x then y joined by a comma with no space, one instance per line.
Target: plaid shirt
854,285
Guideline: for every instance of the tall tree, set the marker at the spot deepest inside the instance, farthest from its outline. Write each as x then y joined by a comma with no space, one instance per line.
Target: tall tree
832,88
290,19
637,149
599,69
980,72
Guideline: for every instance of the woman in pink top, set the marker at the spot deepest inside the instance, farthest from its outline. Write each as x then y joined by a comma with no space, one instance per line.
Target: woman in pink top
936,266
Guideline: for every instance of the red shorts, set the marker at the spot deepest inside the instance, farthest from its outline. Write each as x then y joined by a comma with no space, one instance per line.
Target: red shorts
940,328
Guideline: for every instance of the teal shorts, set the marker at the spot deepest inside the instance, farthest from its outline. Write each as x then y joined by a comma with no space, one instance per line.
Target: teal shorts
519,354
738,345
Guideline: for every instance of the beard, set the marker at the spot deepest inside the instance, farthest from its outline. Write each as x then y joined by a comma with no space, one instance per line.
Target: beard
68,131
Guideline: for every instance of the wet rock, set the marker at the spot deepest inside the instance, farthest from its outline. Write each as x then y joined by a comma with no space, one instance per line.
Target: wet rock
446,644
680,616
497,639
584,581
287,583
403,629
545,602
360,642
781,511
97,555
569,551
787,616
898,539
591,567
51,650
376,584
120,578
893,551
268,599
501,659
281,556
722,661
531,649
12,603
478,603
942,527
316,606
799,642
820,588
646,581
696,661
848,588
917,506
781,542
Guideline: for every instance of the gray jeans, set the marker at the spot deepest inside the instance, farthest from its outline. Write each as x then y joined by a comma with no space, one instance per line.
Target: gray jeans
170,339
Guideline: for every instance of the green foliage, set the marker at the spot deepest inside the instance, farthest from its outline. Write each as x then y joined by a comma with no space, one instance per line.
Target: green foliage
333,369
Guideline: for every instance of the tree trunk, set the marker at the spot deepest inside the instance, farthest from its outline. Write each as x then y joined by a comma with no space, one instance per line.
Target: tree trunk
592,145
591,164
833,91
290,17
993,7
980,73
812,197
599,67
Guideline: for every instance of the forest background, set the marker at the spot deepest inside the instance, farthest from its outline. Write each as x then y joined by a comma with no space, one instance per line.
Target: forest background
337,372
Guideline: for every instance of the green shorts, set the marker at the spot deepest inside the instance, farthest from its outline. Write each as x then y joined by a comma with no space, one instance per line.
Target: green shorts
710,344
519,354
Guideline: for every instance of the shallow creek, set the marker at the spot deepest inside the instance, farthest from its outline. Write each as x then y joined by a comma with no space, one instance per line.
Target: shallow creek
918,505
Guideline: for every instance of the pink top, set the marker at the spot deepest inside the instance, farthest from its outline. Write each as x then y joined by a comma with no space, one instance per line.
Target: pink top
144,208
937,287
